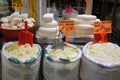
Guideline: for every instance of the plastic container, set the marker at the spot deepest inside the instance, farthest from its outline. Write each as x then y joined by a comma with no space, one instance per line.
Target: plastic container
12,34
95,70
19,69
61,69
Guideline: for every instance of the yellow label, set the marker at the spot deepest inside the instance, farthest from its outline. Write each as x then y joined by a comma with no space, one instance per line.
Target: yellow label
17,3
32,8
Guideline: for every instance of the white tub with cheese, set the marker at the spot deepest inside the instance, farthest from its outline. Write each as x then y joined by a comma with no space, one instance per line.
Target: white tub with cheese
20,62
100,61
62,64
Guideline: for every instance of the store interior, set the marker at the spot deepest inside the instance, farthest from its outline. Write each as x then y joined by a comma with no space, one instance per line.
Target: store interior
40,24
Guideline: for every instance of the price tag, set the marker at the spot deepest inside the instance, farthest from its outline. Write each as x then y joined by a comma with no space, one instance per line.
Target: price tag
17,3
101,29
66,26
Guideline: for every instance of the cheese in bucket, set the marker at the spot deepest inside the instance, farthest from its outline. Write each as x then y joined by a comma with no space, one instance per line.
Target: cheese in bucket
100,61
20,62
61,64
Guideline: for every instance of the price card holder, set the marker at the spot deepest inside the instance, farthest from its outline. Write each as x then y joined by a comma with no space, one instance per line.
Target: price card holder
66,26
17,4
101,29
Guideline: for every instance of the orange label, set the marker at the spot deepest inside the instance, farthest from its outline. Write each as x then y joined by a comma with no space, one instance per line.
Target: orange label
17,3
66,26
102,27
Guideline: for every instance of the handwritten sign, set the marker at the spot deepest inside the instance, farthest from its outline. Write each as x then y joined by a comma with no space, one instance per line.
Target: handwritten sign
66,26
17,3
102,27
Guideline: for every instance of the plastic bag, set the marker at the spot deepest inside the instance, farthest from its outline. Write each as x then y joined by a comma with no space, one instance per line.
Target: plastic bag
60,69
94,70
16,69
73,14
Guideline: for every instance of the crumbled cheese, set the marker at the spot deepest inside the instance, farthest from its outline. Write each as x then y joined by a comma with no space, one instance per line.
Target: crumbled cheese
23,51
16,19
104,52
68,53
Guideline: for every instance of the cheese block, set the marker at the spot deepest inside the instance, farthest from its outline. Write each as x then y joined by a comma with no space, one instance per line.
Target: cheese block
49,24
42,35
86,17
48,17
48,30
84,26
84,32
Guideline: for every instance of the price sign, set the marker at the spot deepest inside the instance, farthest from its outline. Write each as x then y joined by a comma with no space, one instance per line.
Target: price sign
66,26
17,3
102,27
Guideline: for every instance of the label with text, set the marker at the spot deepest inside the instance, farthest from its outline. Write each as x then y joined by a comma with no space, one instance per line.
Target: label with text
66,25
102,27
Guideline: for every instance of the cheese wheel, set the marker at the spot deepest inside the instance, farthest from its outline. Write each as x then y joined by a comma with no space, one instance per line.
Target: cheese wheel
43,35
84,32
83,26
84,22
80,21
49,17
86,17
50,24
48,30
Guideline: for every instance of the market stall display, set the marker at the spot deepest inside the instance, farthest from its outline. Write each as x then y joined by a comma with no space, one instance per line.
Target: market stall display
13,24
84,29
48,27
100,61
61,64
84,25
20,62
48,32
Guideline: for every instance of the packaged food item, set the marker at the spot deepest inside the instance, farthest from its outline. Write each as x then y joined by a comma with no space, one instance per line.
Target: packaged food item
101,61
20,62
61,64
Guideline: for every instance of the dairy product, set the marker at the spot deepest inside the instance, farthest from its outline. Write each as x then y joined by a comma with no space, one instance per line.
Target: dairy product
20,62
84,25
107,53
48,17
22,52
16,21
68,53
49,27
49,24
86,17
64,64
